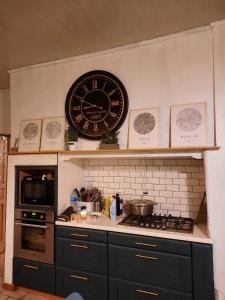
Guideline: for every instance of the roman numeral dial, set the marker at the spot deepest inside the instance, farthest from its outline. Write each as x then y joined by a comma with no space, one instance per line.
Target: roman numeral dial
96,102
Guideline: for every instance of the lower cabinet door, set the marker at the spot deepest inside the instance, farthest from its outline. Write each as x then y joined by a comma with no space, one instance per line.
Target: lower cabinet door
121,290
81,255
90,286
169,271
34,275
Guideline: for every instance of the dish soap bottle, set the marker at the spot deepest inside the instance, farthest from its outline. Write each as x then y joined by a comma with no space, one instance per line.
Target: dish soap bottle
113,208
107,205
74,200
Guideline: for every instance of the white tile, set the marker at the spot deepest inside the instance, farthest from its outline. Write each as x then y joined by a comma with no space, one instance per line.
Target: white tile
172,187
124,185
108,179
173,200
166,193
181,207
159,187
166,180
118,179
159,174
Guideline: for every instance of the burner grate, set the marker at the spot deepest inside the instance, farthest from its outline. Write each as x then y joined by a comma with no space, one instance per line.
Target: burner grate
159,222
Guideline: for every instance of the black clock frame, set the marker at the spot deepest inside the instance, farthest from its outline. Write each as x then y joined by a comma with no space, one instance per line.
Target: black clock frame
74,87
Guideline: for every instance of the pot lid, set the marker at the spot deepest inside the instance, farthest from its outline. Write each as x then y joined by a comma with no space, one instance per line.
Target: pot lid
141,202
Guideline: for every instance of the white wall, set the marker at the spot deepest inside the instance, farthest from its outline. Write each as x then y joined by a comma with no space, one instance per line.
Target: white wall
5,112
215,164
171,70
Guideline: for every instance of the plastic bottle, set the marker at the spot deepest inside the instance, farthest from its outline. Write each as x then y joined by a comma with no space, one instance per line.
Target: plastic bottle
107,205
74,199
113,208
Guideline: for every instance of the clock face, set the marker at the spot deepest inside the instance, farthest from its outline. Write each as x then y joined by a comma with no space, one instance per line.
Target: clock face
97,102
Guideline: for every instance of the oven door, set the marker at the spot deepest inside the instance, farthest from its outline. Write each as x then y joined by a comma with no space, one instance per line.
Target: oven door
34,241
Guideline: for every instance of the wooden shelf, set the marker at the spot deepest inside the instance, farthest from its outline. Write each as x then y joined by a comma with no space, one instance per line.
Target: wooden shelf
195,152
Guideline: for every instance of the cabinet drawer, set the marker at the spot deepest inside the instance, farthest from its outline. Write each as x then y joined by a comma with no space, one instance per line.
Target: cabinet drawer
34,275
81,255
81,234
90,286
121,289
164,270
150,243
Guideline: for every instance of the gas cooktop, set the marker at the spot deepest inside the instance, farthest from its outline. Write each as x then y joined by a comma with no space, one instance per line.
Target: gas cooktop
158,222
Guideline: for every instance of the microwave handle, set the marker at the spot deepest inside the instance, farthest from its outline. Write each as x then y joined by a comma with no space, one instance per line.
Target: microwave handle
32,225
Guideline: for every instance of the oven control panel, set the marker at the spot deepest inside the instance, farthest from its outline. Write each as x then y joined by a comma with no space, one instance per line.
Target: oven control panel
33,215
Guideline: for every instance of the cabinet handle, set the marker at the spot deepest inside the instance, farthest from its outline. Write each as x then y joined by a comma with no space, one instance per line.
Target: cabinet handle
78,277
146,292
31,267
146,257
80,235
79,246
148,245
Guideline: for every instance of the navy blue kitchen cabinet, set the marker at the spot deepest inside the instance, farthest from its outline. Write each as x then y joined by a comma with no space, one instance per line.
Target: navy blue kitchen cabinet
81,262
122,289
34,275
91,286
202,261
143,267
164,270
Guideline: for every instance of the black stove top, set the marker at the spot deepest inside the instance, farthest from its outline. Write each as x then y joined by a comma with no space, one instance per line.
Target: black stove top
158,222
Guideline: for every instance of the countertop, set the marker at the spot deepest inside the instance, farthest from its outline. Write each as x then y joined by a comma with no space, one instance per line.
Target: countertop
199,234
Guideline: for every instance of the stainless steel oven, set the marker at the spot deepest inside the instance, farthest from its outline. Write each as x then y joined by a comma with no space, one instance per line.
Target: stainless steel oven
34,235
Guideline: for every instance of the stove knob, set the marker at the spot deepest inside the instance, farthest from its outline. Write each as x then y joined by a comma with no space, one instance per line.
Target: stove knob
24,215
142,224
147,225
152,225
41,217
158,226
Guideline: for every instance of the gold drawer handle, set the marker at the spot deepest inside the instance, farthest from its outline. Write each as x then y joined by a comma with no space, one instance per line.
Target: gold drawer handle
148,245
79,246
31,267
80,235
78,277
146,292
146,257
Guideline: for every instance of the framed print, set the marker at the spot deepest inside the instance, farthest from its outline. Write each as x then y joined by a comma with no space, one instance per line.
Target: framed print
30,134
53,133
188,125
143,128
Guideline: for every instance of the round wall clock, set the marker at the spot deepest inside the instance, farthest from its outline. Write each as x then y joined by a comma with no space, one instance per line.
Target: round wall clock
97,102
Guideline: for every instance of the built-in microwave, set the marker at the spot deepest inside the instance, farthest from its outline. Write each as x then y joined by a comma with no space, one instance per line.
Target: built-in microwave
36,186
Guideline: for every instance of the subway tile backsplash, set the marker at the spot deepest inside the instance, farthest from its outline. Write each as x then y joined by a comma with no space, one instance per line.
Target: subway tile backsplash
176,185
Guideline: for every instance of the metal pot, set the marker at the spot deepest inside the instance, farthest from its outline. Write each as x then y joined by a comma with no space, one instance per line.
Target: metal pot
139,207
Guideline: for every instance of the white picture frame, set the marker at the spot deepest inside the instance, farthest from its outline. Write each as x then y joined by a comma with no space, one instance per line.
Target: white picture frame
143,128
30,134
188,125
53,134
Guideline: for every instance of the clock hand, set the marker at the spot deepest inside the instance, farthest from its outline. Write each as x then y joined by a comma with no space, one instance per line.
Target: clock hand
94,105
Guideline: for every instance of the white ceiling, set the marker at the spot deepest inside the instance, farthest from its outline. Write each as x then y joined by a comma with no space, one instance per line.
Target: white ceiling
35,31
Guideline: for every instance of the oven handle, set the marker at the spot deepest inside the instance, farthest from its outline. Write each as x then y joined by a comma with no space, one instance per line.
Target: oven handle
32,225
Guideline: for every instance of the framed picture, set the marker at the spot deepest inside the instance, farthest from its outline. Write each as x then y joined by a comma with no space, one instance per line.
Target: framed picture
143,128
30,134
53,134
188,125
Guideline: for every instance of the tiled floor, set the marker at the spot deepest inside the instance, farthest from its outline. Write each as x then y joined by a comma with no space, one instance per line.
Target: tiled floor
19,293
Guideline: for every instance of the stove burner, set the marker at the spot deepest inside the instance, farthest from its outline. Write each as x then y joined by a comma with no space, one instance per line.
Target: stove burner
160,222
